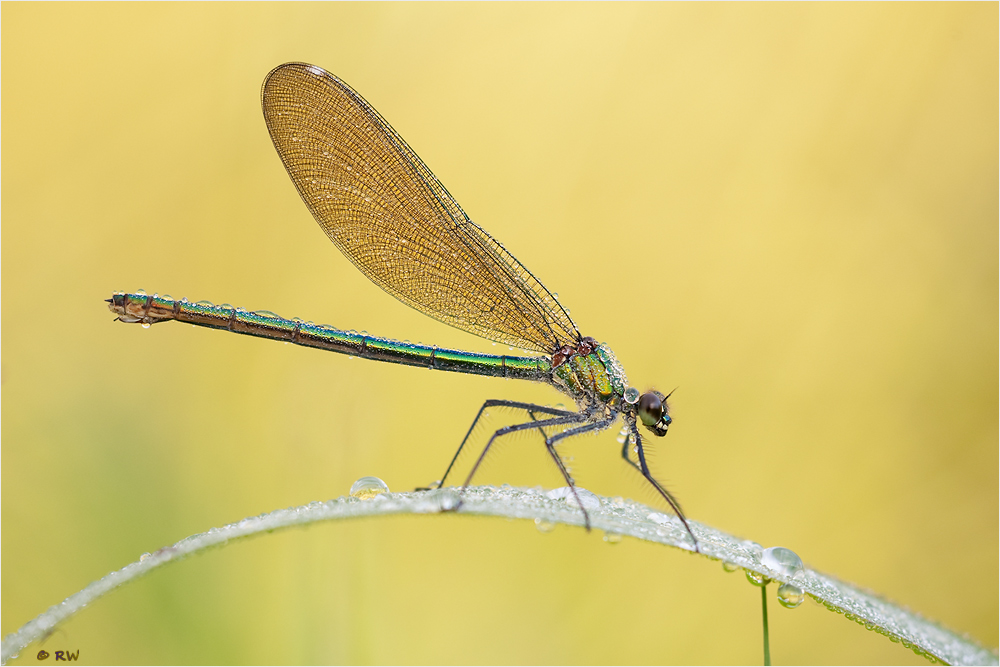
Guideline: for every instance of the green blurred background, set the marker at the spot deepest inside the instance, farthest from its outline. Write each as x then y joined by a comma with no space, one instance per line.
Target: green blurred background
787,211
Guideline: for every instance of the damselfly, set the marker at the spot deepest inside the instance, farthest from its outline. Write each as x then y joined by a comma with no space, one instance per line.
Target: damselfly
380,204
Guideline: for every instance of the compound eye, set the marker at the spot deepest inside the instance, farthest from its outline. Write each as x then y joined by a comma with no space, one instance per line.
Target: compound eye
650,408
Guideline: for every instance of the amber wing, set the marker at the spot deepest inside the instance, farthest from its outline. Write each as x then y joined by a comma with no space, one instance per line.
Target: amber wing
381,205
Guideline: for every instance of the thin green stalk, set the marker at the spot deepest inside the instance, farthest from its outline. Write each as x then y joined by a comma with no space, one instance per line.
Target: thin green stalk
763,606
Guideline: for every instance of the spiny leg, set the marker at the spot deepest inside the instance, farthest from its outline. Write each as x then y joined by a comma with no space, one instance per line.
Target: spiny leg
571,418
559,464
644,470
550,445
528,407
567,418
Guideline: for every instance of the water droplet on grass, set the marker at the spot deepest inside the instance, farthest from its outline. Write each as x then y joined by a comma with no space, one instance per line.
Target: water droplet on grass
450,501
783,561
368,487
729,567
589,500
757,579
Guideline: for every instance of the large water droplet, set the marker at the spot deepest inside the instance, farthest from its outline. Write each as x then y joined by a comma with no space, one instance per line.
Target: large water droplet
631,395
757,579
783,561
368,487
790,595
544,525
729,567
145,325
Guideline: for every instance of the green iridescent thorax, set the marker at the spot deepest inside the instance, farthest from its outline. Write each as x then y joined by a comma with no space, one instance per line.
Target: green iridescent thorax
596,376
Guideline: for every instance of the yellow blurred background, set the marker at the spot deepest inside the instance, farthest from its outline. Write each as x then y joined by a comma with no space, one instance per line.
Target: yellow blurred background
787,211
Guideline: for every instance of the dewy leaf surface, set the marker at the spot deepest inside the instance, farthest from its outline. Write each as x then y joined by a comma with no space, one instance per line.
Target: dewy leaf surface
614,516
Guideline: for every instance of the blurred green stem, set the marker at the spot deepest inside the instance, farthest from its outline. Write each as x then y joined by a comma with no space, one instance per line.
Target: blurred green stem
763,608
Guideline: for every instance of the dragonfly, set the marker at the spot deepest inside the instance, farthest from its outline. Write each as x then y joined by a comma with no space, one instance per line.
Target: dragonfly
394,220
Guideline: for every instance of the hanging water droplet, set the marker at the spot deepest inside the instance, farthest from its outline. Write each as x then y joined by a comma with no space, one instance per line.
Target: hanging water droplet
783,561
757,579
145,324
790,595
612,538
729,567
368,487
544,525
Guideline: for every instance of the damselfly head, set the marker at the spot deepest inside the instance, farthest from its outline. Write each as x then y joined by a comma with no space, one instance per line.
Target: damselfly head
653,412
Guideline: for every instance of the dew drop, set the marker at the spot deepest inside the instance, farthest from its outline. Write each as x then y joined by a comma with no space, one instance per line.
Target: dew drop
450,501
544,525
757,579
790,596
753,548
729,567
658,517
145,325
140,292
618,501
783,561
565,493
144,556
612,538
368,487
631,395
